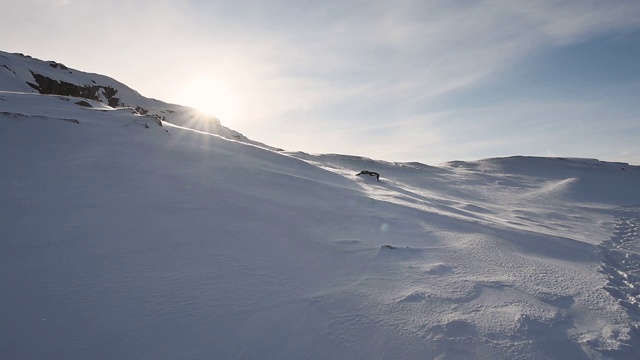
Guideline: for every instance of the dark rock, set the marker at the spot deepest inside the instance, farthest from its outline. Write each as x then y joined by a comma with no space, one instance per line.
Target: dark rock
48,86
6,67
141,110
84,103
56,65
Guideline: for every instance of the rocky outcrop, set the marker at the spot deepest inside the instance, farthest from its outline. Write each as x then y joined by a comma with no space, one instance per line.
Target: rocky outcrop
56,65
23,73
48,86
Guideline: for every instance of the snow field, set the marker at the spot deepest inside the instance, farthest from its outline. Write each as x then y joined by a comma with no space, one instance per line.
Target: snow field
124,239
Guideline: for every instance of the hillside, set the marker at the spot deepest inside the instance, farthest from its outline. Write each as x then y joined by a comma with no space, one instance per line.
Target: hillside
126,237
24,74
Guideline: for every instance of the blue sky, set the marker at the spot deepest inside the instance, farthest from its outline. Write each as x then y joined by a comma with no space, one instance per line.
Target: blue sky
427,81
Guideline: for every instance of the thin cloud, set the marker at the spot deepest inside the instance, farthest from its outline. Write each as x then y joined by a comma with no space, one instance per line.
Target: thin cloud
386,53
354,67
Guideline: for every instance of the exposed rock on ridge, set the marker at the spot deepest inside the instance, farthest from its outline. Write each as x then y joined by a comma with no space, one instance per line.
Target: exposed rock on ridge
48,86
23,73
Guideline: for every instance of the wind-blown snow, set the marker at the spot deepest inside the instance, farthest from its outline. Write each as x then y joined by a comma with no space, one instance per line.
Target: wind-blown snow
125,239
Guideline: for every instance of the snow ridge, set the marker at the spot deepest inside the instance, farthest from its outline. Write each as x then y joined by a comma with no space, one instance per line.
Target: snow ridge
24,74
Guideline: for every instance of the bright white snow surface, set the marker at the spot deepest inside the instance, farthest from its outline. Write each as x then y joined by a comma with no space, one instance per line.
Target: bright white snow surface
121,239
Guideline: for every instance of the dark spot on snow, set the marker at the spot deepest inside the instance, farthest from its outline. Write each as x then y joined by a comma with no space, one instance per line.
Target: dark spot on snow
370,173
12,114
84,103
19,115
141,110
6,67
388,247
56,65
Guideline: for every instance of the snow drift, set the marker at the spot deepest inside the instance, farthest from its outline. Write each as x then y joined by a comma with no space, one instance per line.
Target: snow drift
122,238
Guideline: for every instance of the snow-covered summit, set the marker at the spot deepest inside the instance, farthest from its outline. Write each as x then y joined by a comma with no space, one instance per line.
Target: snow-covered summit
24,74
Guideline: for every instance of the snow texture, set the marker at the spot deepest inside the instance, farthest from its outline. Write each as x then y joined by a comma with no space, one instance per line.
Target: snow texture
122,238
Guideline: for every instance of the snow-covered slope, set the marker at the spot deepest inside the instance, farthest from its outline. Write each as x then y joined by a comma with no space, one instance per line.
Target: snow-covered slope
24,74
124,239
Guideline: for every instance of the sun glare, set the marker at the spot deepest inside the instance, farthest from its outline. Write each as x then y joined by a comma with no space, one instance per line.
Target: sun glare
212,97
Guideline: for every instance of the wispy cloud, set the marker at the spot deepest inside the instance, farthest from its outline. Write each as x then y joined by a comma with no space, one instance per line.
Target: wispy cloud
411,52
336,68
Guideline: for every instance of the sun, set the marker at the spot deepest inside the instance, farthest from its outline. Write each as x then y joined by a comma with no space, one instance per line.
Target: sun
211,96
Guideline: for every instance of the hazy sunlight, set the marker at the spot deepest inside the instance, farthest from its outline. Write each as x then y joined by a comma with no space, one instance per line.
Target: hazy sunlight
211,96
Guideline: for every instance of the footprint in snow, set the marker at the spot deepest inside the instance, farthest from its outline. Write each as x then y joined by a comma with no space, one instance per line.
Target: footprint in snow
621,260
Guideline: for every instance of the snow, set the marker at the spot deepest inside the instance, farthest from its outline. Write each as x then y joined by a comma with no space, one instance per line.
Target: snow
16,73
125,239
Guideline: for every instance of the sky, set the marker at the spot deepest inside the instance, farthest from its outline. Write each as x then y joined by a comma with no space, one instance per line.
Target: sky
427,81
